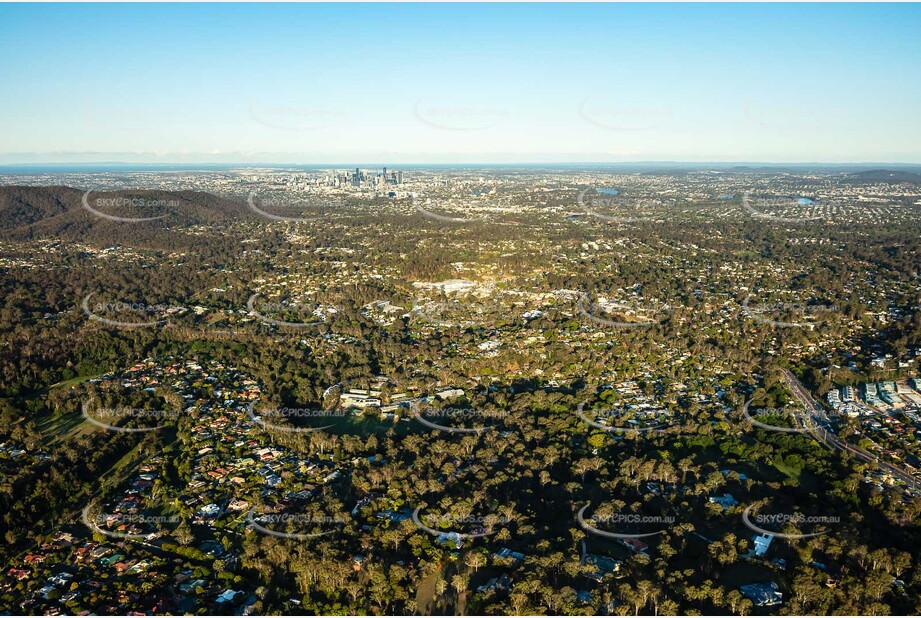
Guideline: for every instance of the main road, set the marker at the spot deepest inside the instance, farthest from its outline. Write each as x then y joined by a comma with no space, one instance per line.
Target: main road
819,426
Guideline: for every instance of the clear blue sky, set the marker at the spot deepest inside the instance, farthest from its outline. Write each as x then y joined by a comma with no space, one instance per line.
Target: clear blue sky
460,82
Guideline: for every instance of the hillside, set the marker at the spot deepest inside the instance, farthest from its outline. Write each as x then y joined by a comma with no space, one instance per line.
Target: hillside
135,217
21,206
883,175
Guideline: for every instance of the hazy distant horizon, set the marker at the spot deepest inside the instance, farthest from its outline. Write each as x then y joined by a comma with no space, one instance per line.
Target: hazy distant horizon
125,166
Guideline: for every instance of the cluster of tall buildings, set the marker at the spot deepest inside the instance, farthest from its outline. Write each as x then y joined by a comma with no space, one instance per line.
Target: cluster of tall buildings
368,180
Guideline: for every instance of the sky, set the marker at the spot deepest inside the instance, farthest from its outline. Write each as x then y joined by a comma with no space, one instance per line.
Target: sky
460,83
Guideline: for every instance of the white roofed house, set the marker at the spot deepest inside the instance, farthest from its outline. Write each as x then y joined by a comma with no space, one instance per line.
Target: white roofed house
762,543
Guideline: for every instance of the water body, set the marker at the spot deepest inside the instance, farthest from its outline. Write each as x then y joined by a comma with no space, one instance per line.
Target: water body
609,191
805,201
726,196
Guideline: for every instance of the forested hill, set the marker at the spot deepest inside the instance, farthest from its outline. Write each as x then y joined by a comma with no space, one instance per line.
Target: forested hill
21,206
69,213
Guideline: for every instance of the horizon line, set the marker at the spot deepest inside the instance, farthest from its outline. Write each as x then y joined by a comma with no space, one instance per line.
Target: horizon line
449,163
